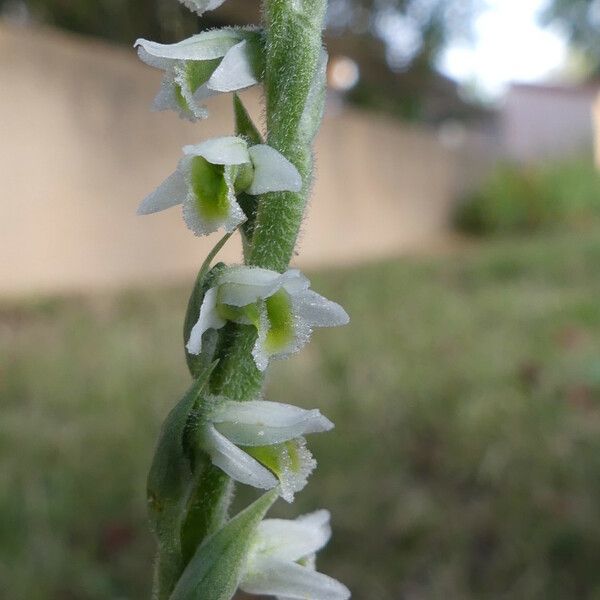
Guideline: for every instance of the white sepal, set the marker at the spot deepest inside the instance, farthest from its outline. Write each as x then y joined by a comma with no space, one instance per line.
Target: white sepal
259,422
209,319
240,286
317,311
202,46
272,172
293,540
235,462
284,579
171,192
228,150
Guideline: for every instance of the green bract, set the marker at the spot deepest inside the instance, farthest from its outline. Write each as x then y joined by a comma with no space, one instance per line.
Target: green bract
216,568
171,484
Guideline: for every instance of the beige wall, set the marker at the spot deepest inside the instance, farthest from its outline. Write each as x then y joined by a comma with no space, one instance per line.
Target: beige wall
79,148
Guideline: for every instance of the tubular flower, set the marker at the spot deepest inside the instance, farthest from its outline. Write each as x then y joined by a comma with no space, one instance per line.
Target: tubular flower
221,60
211,173
281,307
270,433
281,560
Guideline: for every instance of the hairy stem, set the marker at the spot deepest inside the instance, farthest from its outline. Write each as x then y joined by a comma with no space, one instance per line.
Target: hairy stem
294,88
295,92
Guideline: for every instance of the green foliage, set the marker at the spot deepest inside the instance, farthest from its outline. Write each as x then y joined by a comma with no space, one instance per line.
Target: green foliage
579,20
214,571
171,482
465,392
117,20
523,198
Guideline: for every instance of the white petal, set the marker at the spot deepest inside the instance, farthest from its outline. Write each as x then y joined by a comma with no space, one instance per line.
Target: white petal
208,319
235,462
235,71
203,46
272,172
317,311
202,226
240,286
170,192
259,423
278,578
157,62
228,150
292,541
200,6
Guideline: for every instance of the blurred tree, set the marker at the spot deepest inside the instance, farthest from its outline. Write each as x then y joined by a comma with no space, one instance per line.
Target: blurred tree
115,20
395,43
580,20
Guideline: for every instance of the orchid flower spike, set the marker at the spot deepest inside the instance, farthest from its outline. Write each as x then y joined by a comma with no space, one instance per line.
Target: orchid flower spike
200,6
271,433
220,60
210,175
281,307
282,558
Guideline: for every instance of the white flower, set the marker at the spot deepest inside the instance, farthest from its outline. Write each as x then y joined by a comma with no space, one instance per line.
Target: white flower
274,451
281,306
200,6
221,60
209,176
281,560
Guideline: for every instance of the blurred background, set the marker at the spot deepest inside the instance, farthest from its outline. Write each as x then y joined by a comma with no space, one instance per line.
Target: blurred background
456,216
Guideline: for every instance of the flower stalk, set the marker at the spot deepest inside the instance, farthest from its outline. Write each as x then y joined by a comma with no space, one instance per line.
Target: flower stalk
239,318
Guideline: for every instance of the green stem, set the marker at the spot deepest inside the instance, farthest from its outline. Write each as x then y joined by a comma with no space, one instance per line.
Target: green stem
295,92
294,87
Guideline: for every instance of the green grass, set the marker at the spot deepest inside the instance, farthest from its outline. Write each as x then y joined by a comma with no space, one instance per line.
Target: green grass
465,462
523,198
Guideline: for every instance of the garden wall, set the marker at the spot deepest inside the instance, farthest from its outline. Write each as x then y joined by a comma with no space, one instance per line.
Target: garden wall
79,149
